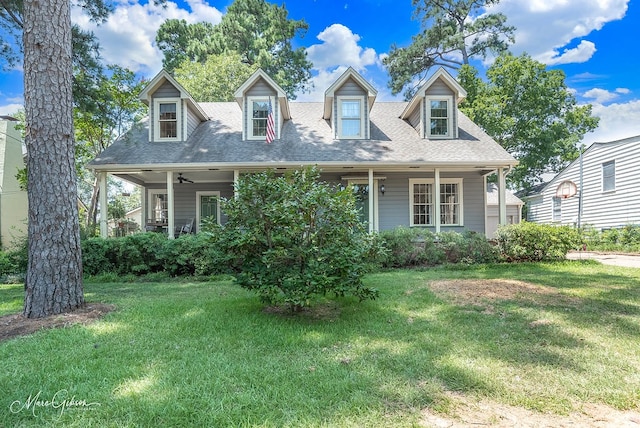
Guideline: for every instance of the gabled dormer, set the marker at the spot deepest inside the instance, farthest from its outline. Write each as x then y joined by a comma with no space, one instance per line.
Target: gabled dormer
173,113
433,110
347,104
258,97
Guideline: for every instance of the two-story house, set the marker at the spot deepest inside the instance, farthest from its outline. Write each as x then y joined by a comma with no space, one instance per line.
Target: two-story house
421,163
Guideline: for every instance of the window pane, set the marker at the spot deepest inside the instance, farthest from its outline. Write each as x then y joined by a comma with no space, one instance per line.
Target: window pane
449,204
351,108
168,129
350,127
439,117
260,109
168,111
160,207
422,204
608,176
259,127
557,208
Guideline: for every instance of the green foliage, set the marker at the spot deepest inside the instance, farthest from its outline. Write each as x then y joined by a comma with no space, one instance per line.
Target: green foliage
293,237
151,253
257,32
408,247
529,111
537,242
214,79
625,239
453,32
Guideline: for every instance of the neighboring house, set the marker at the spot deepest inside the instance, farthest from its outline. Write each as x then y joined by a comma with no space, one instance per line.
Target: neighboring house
606,182
514,209
13,200
420,163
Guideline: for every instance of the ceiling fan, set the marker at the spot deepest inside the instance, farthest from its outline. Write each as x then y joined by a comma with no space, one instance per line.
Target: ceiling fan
182,179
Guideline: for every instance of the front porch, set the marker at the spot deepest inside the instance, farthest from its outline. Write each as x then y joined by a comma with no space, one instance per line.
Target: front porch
172,198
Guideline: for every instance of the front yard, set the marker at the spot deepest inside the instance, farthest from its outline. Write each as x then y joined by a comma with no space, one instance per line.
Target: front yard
550,343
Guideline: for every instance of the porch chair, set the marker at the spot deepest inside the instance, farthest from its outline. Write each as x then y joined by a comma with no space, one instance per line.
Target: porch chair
188,227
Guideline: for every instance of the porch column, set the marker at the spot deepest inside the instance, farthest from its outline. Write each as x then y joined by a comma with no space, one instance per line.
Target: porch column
171,221
436,199
502,197
102,183
236,177
372,194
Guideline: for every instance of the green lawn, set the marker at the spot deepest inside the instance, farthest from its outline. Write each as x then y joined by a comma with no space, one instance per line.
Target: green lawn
206,354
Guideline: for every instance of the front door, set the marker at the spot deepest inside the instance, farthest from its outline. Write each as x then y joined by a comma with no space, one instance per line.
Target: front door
362,193
208,206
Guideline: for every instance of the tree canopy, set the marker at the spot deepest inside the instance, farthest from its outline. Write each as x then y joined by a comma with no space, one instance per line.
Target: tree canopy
259,33
203,79
453,32
528,110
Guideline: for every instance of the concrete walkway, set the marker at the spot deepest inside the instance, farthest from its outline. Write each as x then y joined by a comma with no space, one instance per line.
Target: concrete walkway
626,260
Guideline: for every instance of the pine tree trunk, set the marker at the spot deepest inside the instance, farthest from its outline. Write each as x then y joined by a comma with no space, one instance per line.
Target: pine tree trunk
54,272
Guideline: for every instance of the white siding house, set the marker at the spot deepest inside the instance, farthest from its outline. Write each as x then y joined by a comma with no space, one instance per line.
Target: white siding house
607,179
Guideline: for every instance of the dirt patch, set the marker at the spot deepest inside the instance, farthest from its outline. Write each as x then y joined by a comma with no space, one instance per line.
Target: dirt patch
467,412
482,292
17,325
319,312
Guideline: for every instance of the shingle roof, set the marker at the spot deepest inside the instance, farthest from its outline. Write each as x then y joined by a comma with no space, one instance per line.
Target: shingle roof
306,138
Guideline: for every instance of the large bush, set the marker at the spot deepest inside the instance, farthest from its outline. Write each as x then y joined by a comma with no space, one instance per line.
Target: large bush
536,242
292,237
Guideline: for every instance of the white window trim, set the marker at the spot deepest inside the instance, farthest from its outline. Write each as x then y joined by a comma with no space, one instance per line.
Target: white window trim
427,125
431,181
206,193
250,101
338,117
613,161
156,122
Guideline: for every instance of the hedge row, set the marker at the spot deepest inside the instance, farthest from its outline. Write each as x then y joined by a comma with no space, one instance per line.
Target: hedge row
145,253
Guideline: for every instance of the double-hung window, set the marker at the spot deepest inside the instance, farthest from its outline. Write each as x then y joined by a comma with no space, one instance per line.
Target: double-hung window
350,118
422,200
439,117
158,206
557,209
258,110
167,123
609,176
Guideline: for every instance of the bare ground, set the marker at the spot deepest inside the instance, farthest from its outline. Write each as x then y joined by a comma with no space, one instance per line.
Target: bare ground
17,325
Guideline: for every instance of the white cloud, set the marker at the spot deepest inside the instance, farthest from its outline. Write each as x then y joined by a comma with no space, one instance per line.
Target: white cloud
617,121
581,53
340,47
544,28
338,51
600,96
128,36
623,90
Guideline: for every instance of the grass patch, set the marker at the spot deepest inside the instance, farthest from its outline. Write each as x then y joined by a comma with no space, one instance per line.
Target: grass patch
208,354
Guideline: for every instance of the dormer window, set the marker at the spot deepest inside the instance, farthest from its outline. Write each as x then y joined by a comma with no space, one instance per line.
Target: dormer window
350,120
259,108
439,117
167,123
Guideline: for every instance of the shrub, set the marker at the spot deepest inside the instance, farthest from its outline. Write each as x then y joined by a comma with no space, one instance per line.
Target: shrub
292,237
536,242
405,246
199,254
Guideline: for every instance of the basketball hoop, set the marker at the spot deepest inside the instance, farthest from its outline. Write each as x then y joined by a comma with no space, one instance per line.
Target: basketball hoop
566,189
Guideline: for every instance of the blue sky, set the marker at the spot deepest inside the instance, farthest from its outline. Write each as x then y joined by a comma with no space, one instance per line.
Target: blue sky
593,41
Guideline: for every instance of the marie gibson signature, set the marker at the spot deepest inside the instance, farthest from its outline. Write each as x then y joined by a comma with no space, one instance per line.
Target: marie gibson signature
59,401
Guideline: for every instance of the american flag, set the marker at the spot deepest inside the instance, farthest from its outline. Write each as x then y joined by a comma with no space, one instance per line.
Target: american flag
271,129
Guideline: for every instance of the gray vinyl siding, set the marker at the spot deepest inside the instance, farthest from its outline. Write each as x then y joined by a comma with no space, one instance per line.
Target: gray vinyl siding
601,210
350,88
414,119
192,122
393,206
167,90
